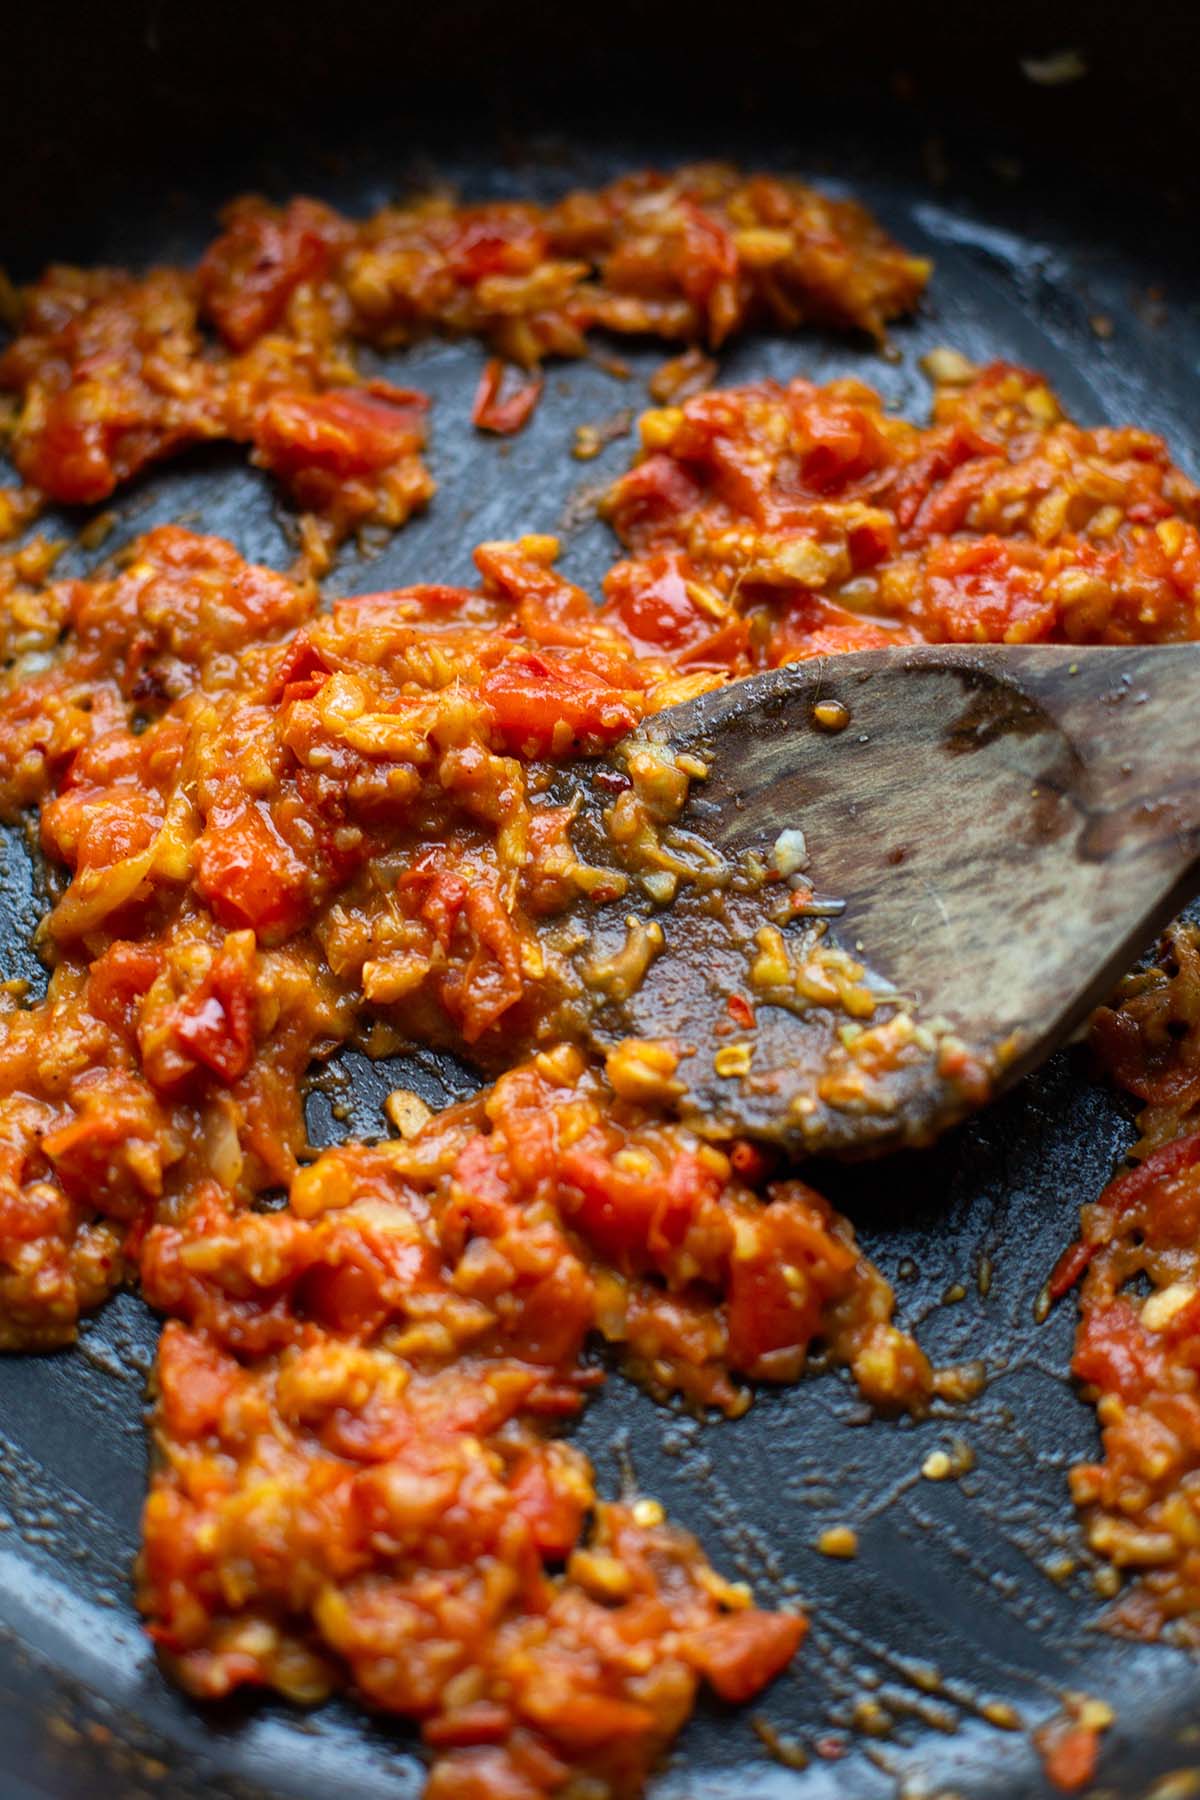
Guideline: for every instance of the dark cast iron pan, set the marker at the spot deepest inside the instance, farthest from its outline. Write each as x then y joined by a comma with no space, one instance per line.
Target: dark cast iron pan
1047,209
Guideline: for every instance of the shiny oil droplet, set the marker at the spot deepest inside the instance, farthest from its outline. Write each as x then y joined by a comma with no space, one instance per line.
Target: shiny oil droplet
831,715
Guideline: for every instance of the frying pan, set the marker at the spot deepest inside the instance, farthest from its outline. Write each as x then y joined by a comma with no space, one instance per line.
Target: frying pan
1058,216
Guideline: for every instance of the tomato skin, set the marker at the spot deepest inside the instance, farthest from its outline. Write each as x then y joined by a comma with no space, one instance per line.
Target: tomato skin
302,672
709,254
987,590
842,445
343,433
1151,1186
441,894
650,599
539,705
651,496
195,1380
1114,1350
553,1513
492,410
248,874
215,1025
249,274
491,981
1068,1269
779,1282
1070,1752
495,241
1164,1165
807,625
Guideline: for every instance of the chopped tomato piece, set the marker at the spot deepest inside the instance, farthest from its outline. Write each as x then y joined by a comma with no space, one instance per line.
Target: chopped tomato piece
541,705
653,598
988,591
842,445
251,271
493,410
496,241
1116,1352
740,1654
785,1266
249,874
1163,1165
215,1025
1069,1267
195,1380
346,432
552,1510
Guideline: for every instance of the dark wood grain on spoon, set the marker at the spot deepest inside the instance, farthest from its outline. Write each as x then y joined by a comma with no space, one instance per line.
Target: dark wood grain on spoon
1007,827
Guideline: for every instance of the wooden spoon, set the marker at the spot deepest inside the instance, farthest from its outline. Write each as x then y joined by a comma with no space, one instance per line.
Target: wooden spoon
1006,827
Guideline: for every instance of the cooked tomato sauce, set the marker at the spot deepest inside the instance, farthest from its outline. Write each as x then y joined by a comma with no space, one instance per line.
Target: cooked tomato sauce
769,523
282,829
1138,1344
355,1476
114,372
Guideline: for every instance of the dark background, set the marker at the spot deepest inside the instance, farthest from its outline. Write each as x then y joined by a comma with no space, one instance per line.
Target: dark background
163,94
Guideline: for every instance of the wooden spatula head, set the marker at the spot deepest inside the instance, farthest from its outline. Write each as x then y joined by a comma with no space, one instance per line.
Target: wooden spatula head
1006,827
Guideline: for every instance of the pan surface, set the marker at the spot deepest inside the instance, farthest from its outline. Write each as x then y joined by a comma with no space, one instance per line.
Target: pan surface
968,1597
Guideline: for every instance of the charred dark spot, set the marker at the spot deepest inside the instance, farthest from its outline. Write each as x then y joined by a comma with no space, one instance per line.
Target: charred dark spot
993,712
611,781
271,1200
149,685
